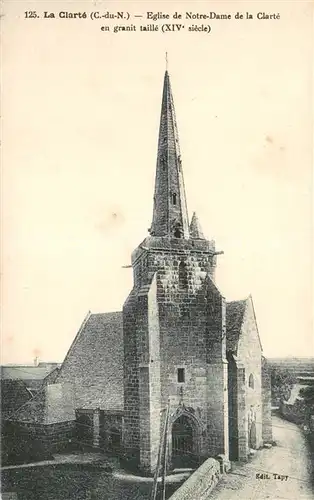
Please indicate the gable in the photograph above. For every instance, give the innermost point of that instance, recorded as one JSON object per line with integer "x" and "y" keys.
{"x": 242, "y": 330}
{"x": 249, "y": 345}
{"x": 94, "y": 363}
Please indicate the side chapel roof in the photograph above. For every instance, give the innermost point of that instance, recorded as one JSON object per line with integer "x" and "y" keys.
{"x": 94, "y": 362}
{"x": 234, "y": 319}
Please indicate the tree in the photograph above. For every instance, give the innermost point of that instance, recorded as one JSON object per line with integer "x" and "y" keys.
{"x": 307, "y": 393}
{"x": 282, "y": 381}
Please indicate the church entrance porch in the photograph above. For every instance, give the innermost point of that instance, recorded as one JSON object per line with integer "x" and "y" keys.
{"x": 184, "y": 446}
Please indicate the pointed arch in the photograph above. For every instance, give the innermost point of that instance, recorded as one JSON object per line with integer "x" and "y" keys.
{"x": 184, "y": 438}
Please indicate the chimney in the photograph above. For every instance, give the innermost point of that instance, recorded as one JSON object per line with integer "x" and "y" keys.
{"x": 36, "y": 361}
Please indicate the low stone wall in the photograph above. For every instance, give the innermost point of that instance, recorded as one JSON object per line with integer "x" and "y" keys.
{"x": 29, "y": 442}
{"x": 56, "y": 437}
{"x": 201, "y": 483}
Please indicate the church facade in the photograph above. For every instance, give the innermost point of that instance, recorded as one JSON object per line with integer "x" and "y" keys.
{"x": 175, "y": 333}
{"x": 177, "y": 348}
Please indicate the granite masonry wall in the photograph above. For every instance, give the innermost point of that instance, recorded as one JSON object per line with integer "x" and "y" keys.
{"x": 200, "y": 483}
{"x": 174, "y": 319}
{"x": 24, "y": 442}
{"x": 267, "y": 433}
{"x": 249, "y": 386}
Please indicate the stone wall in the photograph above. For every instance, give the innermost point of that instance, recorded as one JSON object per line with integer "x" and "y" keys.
{"x": 24, "y": 442}
{"x": 267, "y": 433}
{"x": 84, "y": 428}
{"x": 59, "y": 403}
{"x": 233, "y": 396}
{"x": 131, "y": 437}
{"x": 250, "y": 400}
{"x": 200, "y": 483}
{"x": 101, "y": 429}
{"x": 241, "y": 409}
{"x": 56, "y": 437}
{"x": 111, "y": 432}
{"x": 174, "y": 319}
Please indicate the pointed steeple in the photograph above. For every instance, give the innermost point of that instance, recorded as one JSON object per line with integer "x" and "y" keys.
{"x": 195, "y": 228}
{"x": 170, "y": 215}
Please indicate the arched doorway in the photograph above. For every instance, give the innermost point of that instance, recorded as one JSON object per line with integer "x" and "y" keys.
{"x": 252, "y": 436}
{"x": 183, "y": 453}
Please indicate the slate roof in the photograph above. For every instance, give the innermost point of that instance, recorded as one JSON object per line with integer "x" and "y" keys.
{"x": 33, "y": 410}
{"x": 234, "y": 319}
{"x": 94, "y": 363}
{"x": 25, "y": 372}
{"x": 14, "y": 394}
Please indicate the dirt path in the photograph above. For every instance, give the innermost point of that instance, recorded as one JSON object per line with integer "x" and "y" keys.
{"x": 282, "y": 472}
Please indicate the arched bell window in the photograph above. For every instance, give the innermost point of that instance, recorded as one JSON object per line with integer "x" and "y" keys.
{"x": 251, "y": 381}
{"x": 177, "y": 230}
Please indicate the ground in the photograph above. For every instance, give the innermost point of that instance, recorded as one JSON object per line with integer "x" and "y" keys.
{"x": 79, "y": 477}
{"x": 258, "y": 480}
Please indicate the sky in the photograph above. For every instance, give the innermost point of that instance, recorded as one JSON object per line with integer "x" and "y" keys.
{"x": 80, "y": 117}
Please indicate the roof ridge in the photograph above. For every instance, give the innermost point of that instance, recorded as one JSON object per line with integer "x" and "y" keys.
{"x": 106, "y": 312}
{"x": 239, "y": 300}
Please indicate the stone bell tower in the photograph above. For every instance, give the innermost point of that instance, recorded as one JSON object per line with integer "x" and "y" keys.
{"x": 174, "y": 324}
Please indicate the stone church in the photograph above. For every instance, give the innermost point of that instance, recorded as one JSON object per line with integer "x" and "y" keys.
{"x": 176, "y": 344}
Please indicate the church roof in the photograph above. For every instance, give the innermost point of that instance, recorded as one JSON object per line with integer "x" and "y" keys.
{"x": 14, "y": 394}
{"x": 32, "y": 410}
{"x": 94, "y": 363}
{"x": 234, "y": 315}
{"x": 26, "y": 372}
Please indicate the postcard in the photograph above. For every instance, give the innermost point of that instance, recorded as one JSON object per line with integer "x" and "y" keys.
{"x": 157, "y": 329}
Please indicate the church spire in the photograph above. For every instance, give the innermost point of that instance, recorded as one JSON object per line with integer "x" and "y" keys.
{"x": 170, "y": 215}
{"x": 195, "y": 228}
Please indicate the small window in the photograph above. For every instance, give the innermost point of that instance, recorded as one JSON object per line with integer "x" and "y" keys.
{"x": 181, "y": 375}
{"x": 183, "y": 275}
{"x": 177, "y": 233}
{"x": 174, "y": 198}
{"x": 251, "y": 381}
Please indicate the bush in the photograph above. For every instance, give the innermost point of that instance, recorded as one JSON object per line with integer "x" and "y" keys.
{"x": 282, "y": 382}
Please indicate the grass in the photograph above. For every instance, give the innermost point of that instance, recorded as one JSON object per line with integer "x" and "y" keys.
{"x": 73, "y": 482}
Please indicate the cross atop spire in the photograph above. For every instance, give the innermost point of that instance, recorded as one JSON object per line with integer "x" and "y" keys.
{"x": 170, "y": 215}
{"x": 166, "y": 61}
